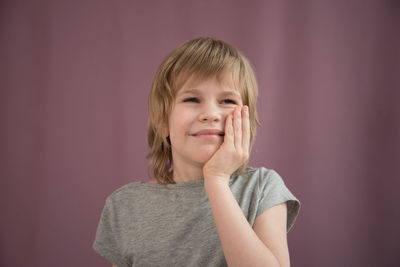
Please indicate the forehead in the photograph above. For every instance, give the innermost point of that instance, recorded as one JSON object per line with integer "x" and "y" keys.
{"x": 193, "y": 82}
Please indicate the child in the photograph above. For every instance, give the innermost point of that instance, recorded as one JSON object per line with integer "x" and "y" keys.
{"x": 205, "y": 207}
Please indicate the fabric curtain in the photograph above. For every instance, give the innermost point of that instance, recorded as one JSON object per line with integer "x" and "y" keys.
{"x": 74, "y": 81}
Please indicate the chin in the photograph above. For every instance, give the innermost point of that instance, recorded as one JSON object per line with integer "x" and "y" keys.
{"x": 205, "y": 154}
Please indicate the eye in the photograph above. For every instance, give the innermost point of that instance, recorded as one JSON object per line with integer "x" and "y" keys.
{"x": 191, "y": 99}
{"x": 229, "y": 101}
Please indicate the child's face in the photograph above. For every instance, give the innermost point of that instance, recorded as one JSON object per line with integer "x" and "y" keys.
{"x": 197, "y": 120}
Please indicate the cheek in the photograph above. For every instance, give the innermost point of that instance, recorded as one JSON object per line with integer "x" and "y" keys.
{"x": 179, "y": 123}
{"x": 226, "y": 113}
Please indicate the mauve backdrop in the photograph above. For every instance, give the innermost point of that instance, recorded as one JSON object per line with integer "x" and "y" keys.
{"x": 74, "y": 82}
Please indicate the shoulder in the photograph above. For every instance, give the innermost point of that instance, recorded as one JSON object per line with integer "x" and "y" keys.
{"x": 260, "y": 172}
{"x": 262, "y": 184}
{"x": 267, "y": 180}
{"x": 125, "y": 193}
{"x": 258, "y": 177}
{"x": 272, "y": 191}
{"x": 129, "y": 201}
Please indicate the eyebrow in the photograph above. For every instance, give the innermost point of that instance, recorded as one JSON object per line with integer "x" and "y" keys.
{"x": 198, "y": 92}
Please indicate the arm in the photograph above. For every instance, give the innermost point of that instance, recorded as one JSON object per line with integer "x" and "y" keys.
{"x": 270, "y": 227}
{"x": 263, "y": 245}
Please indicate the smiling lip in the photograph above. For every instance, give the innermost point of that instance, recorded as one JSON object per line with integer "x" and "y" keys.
{"x": 209, "y": 132}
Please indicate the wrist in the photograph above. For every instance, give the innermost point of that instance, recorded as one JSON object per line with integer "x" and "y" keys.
{"x": 216, "y": 180}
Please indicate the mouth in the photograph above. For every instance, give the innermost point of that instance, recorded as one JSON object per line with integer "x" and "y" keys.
{"x": 209, "y": 132}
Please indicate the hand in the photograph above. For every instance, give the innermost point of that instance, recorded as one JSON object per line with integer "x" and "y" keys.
{"x": 234, "y": 151}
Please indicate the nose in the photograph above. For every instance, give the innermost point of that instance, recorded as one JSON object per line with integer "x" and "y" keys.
{"x": 210, "y": 113}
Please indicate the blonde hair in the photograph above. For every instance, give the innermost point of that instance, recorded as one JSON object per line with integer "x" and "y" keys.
{"x": 202, "y": 58}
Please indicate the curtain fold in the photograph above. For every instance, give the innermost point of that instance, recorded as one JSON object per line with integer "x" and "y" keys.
{"x": 74, "y": 81}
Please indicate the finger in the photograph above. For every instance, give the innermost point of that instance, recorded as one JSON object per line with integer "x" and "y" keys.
{"x": 228, "y": 138}
{"x": 246, "y": 129}
{"x": 237, "y": 127}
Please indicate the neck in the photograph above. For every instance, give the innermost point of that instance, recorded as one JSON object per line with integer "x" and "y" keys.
{"x": 188, "y": 173}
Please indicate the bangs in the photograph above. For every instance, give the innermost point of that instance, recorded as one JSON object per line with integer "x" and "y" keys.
{"x": 206, "y": 59}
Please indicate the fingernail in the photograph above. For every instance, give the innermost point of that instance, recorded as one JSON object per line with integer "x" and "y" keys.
{"x": 246, "y": 108}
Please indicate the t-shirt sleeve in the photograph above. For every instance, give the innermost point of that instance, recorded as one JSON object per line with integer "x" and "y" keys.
{"x": 274, "y": 192}
{"x": 108, "y": 234}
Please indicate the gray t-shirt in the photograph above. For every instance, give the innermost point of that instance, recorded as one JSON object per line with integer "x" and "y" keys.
{"x": 145, "y": 224}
